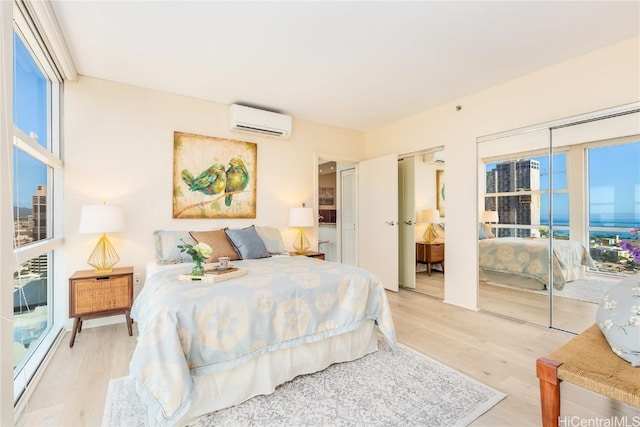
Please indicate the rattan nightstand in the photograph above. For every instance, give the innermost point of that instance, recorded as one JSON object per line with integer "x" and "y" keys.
{"x": 94, "y": 295}
{"x": 310, "y": 254}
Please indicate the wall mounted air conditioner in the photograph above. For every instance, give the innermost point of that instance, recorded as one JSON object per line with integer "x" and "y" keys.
{"x": 434, "y": 157}
{"x": 253, "y": 120}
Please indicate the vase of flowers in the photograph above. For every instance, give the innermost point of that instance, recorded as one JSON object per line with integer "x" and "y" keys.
{"x": 199, "y": 253}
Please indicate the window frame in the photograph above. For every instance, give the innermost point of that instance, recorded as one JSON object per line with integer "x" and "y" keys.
{"x": 537, "y": 194}
{"x": 583, "y": 235}
{"x": 52, "y": 245}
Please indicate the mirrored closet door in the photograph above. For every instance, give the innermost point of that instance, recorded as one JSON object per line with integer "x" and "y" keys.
{"x": 554, "y": 203}
{"x": 513, "y": 231}
{"x": 422, "y": 215}
{"x": 596, "y": 203}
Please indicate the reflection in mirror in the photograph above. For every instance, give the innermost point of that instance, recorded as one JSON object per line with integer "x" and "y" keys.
{"x": 554, "y": 206}
{"x": 596, "y": 206}
{"x": 513, "y": 244}
{"x": 422, "y": 208}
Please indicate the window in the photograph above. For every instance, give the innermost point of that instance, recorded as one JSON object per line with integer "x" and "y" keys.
{"x": 614, "y": 204}
{"x": 518, "y": 189}
{"x": 37, "y": 169}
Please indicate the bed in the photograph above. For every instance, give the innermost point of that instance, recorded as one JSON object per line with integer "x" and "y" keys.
{"x": 203, "y": 347}
{"x": 524, "y": 262}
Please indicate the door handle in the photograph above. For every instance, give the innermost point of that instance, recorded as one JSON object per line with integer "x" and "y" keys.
{"x": 409, "y": 222}
{"x": 390, "y": 222}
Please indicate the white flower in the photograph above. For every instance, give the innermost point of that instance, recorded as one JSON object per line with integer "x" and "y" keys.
{"x": 634, "y": 321}
{"x": 635, "y": 309}
{"x": 203, "y": 249}
{"x": 608, "y": 324}
{"x": 610, "y": 305}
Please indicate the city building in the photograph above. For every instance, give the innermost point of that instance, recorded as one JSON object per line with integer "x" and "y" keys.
{"x": 515, "y": 176}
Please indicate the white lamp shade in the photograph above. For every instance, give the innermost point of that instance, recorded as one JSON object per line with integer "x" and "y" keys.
{"x": 429, "y": 216}
{"x": 490, "y": 216}
{"x": 101, "y": 219}
{"x": 301, "y": 217}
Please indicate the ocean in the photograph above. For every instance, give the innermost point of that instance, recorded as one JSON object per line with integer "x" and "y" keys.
{"x": 625, "y": 222}
{"x": 621, "y": 221}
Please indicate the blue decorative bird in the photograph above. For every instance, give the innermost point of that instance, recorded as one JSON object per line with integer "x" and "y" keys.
{"x": 237, "y": 178}
{"x": 211, "y": 181}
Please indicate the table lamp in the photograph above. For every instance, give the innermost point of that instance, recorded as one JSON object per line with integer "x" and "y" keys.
{"x": 301, "y": 217}
{"x": 102, "y": 219}
{"x": 490, "y": 217}
{"x": 430, "y": 216}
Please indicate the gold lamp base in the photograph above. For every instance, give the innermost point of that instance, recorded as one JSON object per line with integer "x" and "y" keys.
{"x": 430, "y": 234}
{"x": 301, "y": 244}
{"x": 103, "y": 257}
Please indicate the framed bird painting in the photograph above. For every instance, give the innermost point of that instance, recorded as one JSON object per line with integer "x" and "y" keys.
{"x": 213, "y": 177}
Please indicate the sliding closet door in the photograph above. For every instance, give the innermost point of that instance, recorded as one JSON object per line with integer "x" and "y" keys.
{"x": 565, "y": 193}
{"x": 406, "y": 232}
{"x": 513, "y": 248}
{"x": 595, "y": 203}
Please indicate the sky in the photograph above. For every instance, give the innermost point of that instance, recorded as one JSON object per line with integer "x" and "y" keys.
{"x": 29, "y": 114}
{"x": 614, "y": 182}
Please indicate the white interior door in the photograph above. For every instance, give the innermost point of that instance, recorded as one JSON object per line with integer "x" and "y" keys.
{"x": 407, "y": 232}
{"x": 348, "y": 217}
{"x": 378, "y": 218}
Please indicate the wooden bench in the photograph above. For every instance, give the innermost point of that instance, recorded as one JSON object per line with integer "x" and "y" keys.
{"x": 586, "y": 361}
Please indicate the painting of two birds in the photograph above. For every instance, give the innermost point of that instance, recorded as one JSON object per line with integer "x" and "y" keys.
{"x": 213, "y": 177}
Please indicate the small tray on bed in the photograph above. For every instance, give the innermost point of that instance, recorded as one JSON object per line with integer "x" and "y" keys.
{"x": 214, "y": 275}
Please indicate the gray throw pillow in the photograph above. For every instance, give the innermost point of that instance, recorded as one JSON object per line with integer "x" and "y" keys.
{"x": 166, "y": 243}
{"x": 272, "y": 239}
{"x": 619, "y": 318}
{"x": 481, "y": 233}
{"x": 248, "y": 243}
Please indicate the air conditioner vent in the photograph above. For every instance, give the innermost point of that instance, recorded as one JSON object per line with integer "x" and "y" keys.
{"x": 253, "y": 120}
{"x": 244, "y": 128}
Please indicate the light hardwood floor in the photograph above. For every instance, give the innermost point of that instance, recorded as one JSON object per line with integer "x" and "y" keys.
{"x": 532, "y": 307}
{"x": 495, "y": 351}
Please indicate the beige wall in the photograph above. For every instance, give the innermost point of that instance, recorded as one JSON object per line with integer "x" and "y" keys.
{"x": 119, "y": 149}
{"x": 119, "y": 140}
{"x": 598, "y": 80}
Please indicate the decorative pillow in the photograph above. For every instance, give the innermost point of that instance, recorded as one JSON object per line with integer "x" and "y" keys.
{"x": 488, "y": 232}
{"x": 247, "y": 242}
{"x": 619, "y": 318}
{"x": 166, "y": 243}
{"x": 218, "y": 241}
{"x": 482, "y": 234}
{"x": 272, "y": 239}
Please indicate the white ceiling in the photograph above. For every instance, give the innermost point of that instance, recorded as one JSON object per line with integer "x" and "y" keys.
{"x": 356, "y": 65}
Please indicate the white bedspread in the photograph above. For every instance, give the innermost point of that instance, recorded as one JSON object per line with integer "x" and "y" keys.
{"x": 190, "y": 329}
{"x": 530, "y": 258}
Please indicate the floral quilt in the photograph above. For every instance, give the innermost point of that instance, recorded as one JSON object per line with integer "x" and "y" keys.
{"x": 188, "y": 329}
{"x": 530, "y": 258}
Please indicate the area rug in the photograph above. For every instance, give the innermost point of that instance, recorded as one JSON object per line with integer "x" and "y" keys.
{"x": 588, "y": 289}
{"x": 384, "y": 388}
